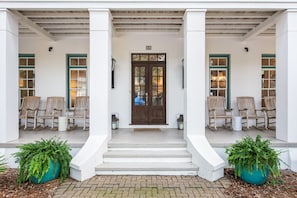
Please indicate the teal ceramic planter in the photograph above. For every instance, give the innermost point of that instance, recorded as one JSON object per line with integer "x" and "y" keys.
{"x": 52, "y": 173}
{"x": 255, "y": 177}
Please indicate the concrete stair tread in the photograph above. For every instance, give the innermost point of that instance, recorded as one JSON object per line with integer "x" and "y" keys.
{"x": 151, "y": 166}
{"x": 147, "y": 154}
{"x": 181, "y": 144}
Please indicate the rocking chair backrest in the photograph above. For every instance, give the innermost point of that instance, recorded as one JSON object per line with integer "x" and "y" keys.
{"x": 218, "y": 103}
{"x": 54, "y": 103}
{"x": 246, "y": 102}
{"x": 29, "y": 102}
{"x": 81, "y": 105}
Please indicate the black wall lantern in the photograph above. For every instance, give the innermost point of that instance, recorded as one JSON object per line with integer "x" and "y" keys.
{"x": 113, "y": 64}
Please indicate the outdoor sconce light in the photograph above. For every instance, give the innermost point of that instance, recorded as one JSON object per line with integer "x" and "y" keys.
{"x": 113, "y": 64}
{"x": 114, "y": 122}
{"x": 180, "y": 122}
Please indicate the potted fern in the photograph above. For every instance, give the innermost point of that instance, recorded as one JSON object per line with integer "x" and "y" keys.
{"x": 44, "y": 160}
{"x": 254, "y": 160}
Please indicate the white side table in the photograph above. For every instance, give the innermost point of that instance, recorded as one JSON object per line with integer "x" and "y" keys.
{"x": 236, "y": 123}
{"x": 63, "y": 121}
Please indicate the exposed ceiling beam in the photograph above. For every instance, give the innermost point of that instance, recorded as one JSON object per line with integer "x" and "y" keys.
{"x": 33, "y": 26}
{"x": 261, "y": 27}
{"x": 58, "y": 14}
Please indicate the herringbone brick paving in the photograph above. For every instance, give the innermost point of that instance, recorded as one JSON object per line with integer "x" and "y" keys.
{"x": 143, "y": 187}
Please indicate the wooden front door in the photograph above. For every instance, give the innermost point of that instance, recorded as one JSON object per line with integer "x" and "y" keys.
{"x": 148, "y": 89}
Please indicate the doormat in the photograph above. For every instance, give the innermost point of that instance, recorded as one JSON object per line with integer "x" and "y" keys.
{"x": 146, "y": 129}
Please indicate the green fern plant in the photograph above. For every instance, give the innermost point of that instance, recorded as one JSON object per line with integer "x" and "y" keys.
{"x": 34, "y": 159}
{"x": 2, "y": 164}
{"x": 249, "y": 154}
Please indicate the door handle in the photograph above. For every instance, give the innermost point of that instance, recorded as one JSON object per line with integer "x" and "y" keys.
{"x": 146, "y": 99}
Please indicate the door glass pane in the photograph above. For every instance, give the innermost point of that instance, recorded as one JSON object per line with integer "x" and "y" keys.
{"x": 157, "y": 86}
{"x": 139, "y": 86}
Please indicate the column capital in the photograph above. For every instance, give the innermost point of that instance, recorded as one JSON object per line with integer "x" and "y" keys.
{"x": 195, "y": 10}
{"x": 100, "y": 19}
{"x": 194, "y": 20}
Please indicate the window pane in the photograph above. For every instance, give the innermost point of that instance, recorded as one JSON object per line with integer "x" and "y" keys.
{"x": 272, "y": 93}
{"x": 74, "y": 74}
{"x": 30, "y": 83}
{"x": 31, "y": 93}
{"x": 23, "y": 93}
{"x": 31, "y": 61}
{"x": 272, "y": 74}
{"x": 222, "y": 93}
{"x": 272, "y": 84}
{"x": 23, "y": 74}
{"x": 73, "y": 83}
{"x": 213, "y": 62}
{"x": 135, "y": 57}
{"x": 265, "y": 62}
{"x": 31, "y": 74}
{"x": 82, "y": 61}
{"x": 272, "y": 62}
{"x": 153, "y": 57}
{"x": 264, "y": 93}
{"x": 22, "y": 61}
{"x": 213, "y": 92}
{"x": 144, "y": 57}
{"x": 222, "y": 62}
{"x": 73, "y": 62}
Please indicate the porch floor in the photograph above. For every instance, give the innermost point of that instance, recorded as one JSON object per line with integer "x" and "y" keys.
{"x": 77, "y": 137}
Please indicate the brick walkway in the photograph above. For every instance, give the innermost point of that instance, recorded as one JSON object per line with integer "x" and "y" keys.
{"x": 143, "y": 187}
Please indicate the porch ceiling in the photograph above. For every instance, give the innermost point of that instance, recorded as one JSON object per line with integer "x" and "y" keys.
{"x": 56, "y": 24}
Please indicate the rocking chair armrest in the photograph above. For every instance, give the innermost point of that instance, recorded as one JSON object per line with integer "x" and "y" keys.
{"x": 229, "y": 110}
{"x": 245, "y": 109}
{"x": 29, "y": 109}
{"x": 57, "y": 110}
{"x": 69, "y": 110}
{"x": 211, "y": 110}
{"x": 270, "y": 109}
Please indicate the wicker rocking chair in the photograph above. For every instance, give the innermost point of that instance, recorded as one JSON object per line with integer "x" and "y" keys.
{"x": 54, "y": 108}
{"x": 28, "y": 110}
{"x": 247, "y": 111}
{"x": 217, "y": 110}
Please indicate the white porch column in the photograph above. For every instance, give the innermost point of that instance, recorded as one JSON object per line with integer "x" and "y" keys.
{"x": 9, "y": 49}
{"x": 211, "y": 166}
{"x": 83, "y": 164}
{"x": 286, "y": 105}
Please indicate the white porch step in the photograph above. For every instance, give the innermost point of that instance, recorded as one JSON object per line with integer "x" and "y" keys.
{"x": 147, "y": 168}
{"x": 148, "y": 146}
{"x": 147, "y": 156}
